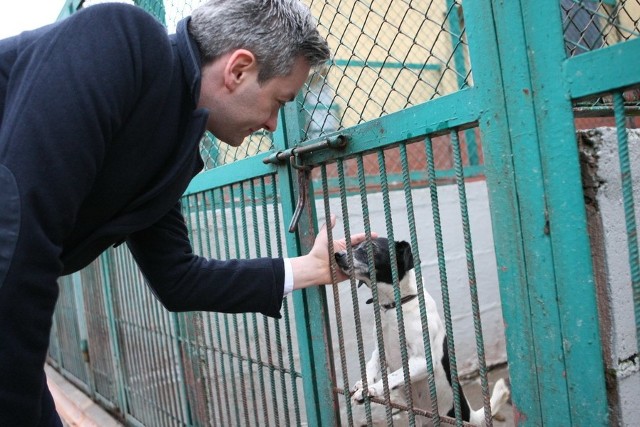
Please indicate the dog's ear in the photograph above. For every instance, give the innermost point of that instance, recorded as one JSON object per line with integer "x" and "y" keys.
{"x": 404, "y": 255}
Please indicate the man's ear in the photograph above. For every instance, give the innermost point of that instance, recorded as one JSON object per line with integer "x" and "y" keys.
{"x": 240, "y": 64}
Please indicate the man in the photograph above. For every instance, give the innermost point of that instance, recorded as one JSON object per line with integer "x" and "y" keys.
{"x": 101, "y": 116}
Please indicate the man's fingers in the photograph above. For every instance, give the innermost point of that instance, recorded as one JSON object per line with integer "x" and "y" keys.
{"x": 361, "y": 237}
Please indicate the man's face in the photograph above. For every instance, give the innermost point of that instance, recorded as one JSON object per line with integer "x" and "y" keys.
{"x": 237, "y": 104}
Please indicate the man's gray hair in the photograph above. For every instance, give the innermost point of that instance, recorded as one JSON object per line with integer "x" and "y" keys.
{"x": 275, "y": 31}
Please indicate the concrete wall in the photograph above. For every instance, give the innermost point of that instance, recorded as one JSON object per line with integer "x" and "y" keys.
{"x": 603, "y": 190}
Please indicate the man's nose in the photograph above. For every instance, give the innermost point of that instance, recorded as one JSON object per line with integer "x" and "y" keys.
{"x": 271, "y": 124}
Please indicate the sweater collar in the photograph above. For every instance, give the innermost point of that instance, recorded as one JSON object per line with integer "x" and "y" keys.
{"x": 190, "y": 59}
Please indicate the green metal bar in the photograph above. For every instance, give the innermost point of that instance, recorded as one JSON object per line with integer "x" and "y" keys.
{"x": 309, "y": 304}
{"x": 571, "y": 255}
{"x": 236, "y": 333}
{"x": 583, "y": 73}
{"x": 629, "y": 206}
{"x": 83, "y": 334}
{"x": 336, "y": 299}
{"x": 240, "y": 170}
{"x": 540, "y": 274}
{"x": 227, "y": 317}
{"x": 106, "y": 263}
{"x": 460, "y": 109}
{"x": 471, "y": 272}
{"x": 444, "y": 284}
{"x": 220, "y": 249}
{"x": 424, "y": 315}
{"x": 220, "y": 387}
{"x": 258, "y": 254}
{"x": 265, "y": 214}
{"x": 354, "y": 296}
{"x": 374, "y": 294}
{"x": 493, "y": 85}
{"x": 460, "y": 66}
{"x": 397, "y": 296}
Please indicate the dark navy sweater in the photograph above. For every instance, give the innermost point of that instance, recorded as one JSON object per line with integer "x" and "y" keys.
{"x": 99, "y": 134}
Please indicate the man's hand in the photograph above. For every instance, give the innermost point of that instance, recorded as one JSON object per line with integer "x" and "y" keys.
{"x": 315, "y": 267}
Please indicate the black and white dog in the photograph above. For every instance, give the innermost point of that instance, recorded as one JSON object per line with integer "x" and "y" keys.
{"x": 413, "y": 332}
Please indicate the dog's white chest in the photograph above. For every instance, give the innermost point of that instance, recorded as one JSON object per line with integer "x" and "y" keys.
{"x": 392, "y": 336}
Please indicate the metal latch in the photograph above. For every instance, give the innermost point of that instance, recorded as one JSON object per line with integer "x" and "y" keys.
{"x": 303, "y": 171}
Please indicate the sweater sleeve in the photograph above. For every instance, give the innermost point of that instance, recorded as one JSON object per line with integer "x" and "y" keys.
{"x": 183, "y": 281}
{"x": 66, "y": 89}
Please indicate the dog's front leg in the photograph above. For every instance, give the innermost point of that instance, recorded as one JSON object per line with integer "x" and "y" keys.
{"x": 373, "y": 371}
{"x": 396, "y": 380}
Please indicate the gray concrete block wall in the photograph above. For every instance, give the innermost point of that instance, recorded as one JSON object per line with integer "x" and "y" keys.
{"x": 603, "y": 191}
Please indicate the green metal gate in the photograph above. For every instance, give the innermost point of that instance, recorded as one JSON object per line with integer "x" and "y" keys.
{"x": 426, "y": 103}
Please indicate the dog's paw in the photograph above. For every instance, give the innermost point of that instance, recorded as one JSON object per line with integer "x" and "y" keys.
{"x": 358, "y": 392}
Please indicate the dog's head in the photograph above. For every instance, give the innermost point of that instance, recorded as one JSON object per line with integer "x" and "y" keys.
{"x": 381, "y": 260}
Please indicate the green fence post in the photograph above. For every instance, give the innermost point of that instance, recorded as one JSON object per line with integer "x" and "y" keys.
{"x": 310, "y": 305}
{"x": 505, "y": 216}
{"x": 542, "y": 245}
{"x": 567, "y": 220}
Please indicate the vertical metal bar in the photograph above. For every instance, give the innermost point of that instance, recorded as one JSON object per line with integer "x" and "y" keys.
{"x": 629, "y": 206}
{"x": 265, "y": 216}
{"x": 120, "y": 300}
{"x": 227, "y": 329}
{"x": 76, "y": 279}
{"x": 374, "y": 292}
{"x": 444, "y": 285}
{"x": 396, "y": 287}
{"x": 471, "y": 271}
{"x": 219, "y": 332}
{"x": 236, "y": 332}
{"x": 106, "y": 263}
{"x": 287, "y": 316}
{"x": 217, "y": 376}
{"x": 424, "y": 315}
{"x": 336, "y": 297}
{"x": 460, "y": 66}
{"x": 256, "y": 346}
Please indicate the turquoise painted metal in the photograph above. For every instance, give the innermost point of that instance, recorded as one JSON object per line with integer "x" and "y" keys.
{"x": 70, "y": 7}
{"x": 567, "y": 226}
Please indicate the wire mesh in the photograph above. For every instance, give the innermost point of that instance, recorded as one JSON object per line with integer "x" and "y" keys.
{"x": 591, "y": 25}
